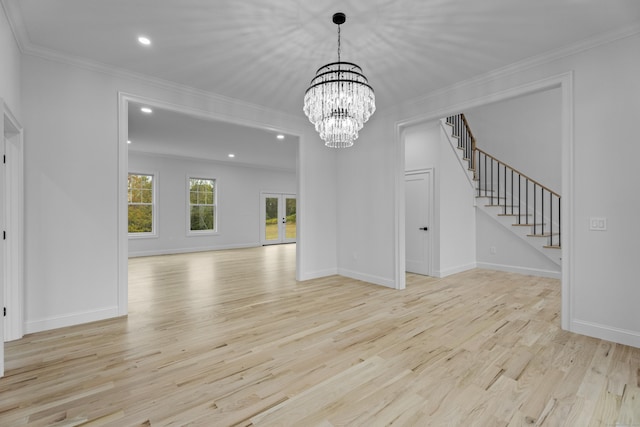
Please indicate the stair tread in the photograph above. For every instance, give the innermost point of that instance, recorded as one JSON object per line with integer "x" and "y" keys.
{"x": 527, "y": 225}
{"x": 514, "y": 214}
{"x": 552, "y": 246}
{"x": 543, "y": 235}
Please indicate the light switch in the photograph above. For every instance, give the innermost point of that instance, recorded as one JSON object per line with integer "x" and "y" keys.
{"x": 598, "y": 224}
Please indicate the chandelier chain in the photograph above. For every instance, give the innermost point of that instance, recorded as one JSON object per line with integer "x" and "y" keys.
{"x": 338, "y": 43}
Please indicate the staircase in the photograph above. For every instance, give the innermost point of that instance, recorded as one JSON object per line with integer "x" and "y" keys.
{"x": 521, "y": 204}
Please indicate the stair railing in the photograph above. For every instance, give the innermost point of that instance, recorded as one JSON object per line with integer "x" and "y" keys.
{"x": 466, "y": 141}
{"x": 518, "y": 195}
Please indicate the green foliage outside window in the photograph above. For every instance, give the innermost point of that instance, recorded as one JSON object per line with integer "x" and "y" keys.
{"x": 140, "y": 198}
{"x": 202, "y": 207}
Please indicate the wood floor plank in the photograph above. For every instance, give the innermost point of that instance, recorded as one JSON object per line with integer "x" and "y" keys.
{"x": 229, "y": 338}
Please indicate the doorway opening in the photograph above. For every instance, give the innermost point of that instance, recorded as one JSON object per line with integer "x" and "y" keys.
{"x": 232, "y": 210}
{"x": 565, "y": 83}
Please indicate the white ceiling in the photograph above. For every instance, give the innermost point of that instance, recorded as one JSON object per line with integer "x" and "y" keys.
{"x": 171, "y": 133}
{"x": 265, "y": 52}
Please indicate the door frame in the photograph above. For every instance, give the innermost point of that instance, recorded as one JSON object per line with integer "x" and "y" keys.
{"x": 215, "y": 112}
{"x": 282, "y": 197}
{"x": 431, "y": 172}
{"x": 564, "y": 81}
{"x": 12, "y": 294}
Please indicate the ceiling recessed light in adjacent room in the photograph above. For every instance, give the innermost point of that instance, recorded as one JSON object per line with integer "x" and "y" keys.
{"x": 145, "y": 41}
{"x": 280, "y": 136}
{"x": 231, "y": 155}
{"x": 128, "y": 141}
{"x": 146, "y": 110}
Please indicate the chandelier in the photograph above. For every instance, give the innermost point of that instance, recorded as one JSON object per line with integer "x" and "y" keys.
{"x": 339, "y": 99}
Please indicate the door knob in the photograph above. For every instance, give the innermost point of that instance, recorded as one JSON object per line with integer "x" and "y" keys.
{"x": 424, "y": 228}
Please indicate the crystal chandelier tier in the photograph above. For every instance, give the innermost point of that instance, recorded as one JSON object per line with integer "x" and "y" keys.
{"x": 339, "y": 99}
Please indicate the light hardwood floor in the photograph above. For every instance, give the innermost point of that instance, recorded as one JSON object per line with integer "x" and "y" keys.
{"x": 230, "y": 338}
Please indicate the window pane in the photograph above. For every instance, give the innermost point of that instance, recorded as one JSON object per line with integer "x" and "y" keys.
{"x": 290, "y": 229}
{"x": 202, "y": 218}
{"x": 271, "y": 218}
{"x": 146, "y": 196}
{"x": 140, "y": 190}
{"x": 140, "y": 219}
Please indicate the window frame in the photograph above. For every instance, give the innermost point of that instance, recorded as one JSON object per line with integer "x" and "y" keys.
{"x": 191, "y": 232}
{"x": 154, "y": 207}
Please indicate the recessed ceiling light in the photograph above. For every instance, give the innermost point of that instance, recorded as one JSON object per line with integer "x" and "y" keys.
{"x": 231, "y": 155}
{"x": 144, "y": 40}
{"x": 280, "y": 136}
{"x": 146, "y": 110}
{"x": 128, "y": 141}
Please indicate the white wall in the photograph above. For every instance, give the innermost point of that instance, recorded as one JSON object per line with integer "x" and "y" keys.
{"x": 602, "y": 286}
{"x": 511, "y": 252}
{"x": 524, "y": 132}
{"x": 10, "y": 69}
{"x": 457, "y": 214}
{"x": 454, "y": 234}
{"x": 71, "y": 186}
{"x": 238, "y": 202}
{"x": 364, "y": 205}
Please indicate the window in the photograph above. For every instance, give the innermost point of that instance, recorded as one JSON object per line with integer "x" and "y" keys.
{"x": 140, "y": 194}
{"x": 202, "y": 205}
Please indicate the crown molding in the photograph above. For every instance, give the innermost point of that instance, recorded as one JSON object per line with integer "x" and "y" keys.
{"x": 534, "y": 61}
{"x": 16, "y": 23}
{"x": 18, "y": 28}
{"x": 230, "y": 164}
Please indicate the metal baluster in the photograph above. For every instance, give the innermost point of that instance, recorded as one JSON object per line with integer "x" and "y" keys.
{"x": 535, "y": 212}
{"x": 542, "y": 201}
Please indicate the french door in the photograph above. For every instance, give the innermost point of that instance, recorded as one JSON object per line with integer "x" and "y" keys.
{"x": 277, "y": 218}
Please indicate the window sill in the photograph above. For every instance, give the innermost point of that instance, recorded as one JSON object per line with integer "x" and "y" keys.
{"x": 136, "y": 236}
{"x": 202, "y": 233}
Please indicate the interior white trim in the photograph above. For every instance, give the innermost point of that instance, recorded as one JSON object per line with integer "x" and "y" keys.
{"x": 136, "y": 254}
{"x": 71, "y": 319}
{"x": 565, "y": 82}
{"x": 124, "y": 99}
{"x": 454, "y": 270}
{"x": 213, "y": 161}
{"x": 520, "y": 270}
{"x": 376, "y": 280}
{"x": 604, "y": 332}
{"x": 527, "y": 63}
{"x": 14, "y": 217}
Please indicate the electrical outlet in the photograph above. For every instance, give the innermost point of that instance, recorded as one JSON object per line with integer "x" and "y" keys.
{"x": 492, "y": 250}
{"x": 598, "y": 224}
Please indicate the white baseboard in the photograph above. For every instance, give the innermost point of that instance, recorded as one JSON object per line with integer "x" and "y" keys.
{"x": 317, "y": 274}
{"x": 135, "y": 254}
{"x": 521, "y": 270}
{"x": 604, "y": 332}
{"x": 376, "y": 280}
{"x": 70, "y": 319}
{"x": 454, "y": 270}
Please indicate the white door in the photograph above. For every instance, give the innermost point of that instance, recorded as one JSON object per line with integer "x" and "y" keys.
{"x": 3, "y": 248}
{"x": 278, "y": 218}
{"x": 418, "y": 222}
